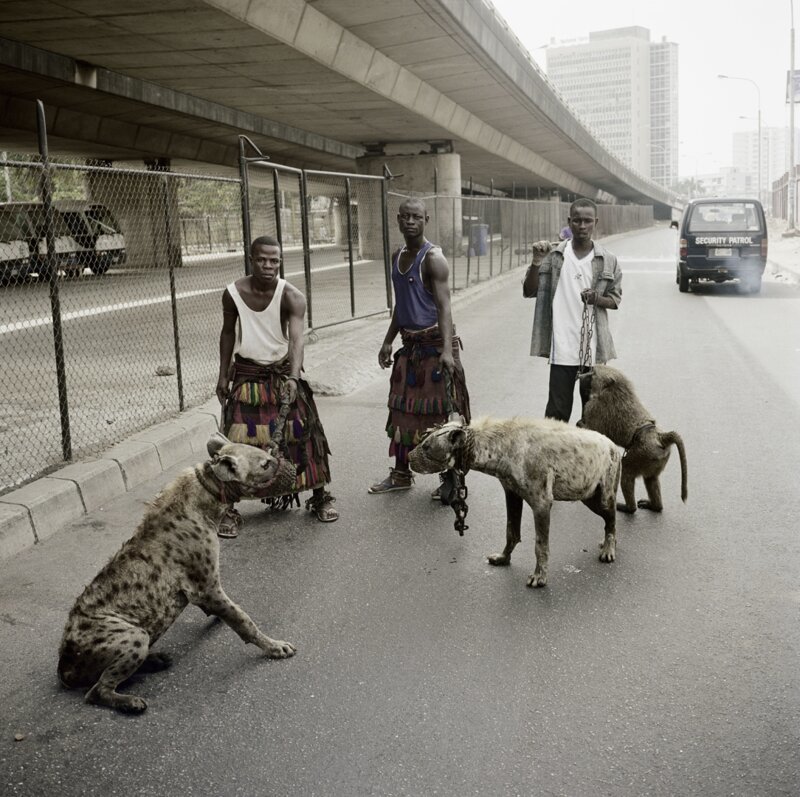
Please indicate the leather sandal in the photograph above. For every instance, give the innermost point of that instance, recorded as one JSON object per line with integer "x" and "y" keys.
{"x": 322, "y": 508}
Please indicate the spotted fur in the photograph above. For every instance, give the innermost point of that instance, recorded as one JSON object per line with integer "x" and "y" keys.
{"x": 536, "y": 461}
{"x": 172, "y": 560}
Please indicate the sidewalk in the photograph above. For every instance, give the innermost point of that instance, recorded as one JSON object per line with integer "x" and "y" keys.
{"x": 338, "y": 360}
{"x": 783, "y": 255}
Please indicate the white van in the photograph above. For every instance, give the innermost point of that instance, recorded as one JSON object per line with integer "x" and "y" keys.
{"x": 99, "y": 235}
{"x": 30, "y": 216}
{"x": 15, "y": 256}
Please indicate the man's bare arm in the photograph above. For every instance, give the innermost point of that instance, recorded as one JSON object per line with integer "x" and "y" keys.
{"x": 438, "y": 274}
{"x": 227, "y": 341}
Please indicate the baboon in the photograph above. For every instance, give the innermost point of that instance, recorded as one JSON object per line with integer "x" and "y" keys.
{"x": 613, "y": 409}
{"x": 536, "y": 460}
{"x": 171, "y": 560}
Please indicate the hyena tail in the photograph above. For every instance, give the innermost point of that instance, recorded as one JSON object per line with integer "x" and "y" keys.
{"x": 667, "y": 439}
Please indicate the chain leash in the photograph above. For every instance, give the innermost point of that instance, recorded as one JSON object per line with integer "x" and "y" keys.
{"x": 453, "y": 489}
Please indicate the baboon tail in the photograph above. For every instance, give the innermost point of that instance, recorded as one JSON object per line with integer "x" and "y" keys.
{"x": 667, "y": 439}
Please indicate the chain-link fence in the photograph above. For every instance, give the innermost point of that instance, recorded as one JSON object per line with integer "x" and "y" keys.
{"x": 111, "y": 281}
{"x": 484, "y": 236}
{"x": 110, "y": 325}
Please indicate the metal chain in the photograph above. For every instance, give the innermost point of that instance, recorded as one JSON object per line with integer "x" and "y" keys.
{"x": 587, "y": 330}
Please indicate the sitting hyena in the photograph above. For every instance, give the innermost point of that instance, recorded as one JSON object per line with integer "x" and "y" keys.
{"x": 538, "y": 461}
{"x": 171, "y": 560}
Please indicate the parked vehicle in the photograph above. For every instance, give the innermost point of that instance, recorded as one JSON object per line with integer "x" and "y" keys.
{"x": 15, "y": 256}
{"x": 31, "y": 218}
{"x": 102, "y": 243}
{"x": 722, "y": 239}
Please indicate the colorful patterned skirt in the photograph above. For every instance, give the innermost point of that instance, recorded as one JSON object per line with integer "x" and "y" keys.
{"x": 251, "y": 413}
{"x": 418, "y": 394}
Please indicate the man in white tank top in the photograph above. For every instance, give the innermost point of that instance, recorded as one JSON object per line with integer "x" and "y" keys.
{"x": 260, "y": 365}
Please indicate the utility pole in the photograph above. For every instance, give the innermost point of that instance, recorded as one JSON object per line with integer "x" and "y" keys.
{"x": 758, "y": 148}
{"x": 790, "y": 188}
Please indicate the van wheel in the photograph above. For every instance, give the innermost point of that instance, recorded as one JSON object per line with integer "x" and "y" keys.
{"x": 683, "y": 281}
{"x": 99, "y": 267}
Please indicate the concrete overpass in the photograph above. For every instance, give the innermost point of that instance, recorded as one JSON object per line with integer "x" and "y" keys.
{"x": 335, "y": 84}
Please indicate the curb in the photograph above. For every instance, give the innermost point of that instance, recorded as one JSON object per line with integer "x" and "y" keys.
{"x": 46, "y": 506}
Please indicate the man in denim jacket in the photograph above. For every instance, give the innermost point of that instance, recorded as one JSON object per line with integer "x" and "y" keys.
{"x": 576, "y": 273}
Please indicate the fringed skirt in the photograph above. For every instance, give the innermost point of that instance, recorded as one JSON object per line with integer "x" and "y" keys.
{"x": 251, "y": 414}
{"x": 418, "y": 397}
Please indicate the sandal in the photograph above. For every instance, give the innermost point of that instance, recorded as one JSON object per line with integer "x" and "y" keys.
{"x": 322, "y": 507}
{"x": 396, "y": 480}
{"x": 230, "y": 524}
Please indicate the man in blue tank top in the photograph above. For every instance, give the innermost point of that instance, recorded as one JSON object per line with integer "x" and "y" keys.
{"x": 427, "y": 382}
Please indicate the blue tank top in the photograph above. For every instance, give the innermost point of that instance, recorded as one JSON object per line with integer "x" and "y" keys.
{"x": 414, "y": 305}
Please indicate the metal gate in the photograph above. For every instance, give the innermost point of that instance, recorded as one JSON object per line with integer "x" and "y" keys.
{"x": 333, "y": 232}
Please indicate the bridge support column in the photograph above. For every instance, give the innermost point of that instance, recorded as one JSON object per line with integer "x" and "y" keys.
{"x": 434, "y": 177}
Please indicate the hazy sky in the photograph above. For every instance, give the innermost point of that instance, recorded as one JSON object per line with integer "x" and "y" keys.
{"x": 746, "y": 39}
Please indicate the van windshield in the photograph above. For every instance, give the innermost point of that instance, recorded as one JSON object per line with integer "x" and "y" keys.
{"x": 104, "y": 222}
{"x": 12, "y": 226}
{"x": 60, "y": 229}
{"x": 725, "y": 217}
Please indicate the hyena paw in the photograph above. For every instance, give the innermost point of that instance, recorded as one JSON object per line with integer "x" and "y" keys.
{"x": 537, "y": 580}
{"x": 608, "y": 551}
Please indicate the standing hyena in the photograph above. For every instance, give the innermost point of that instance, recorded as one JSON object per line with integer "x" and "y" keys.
{"x": 538, "y": 461}
{"x": 171, "y": 560}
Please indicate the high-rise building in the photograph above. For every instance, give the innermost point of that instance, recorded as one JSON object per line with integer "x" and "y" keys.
{"x": 774, "y": 156}
{"x": 625, "y": 89}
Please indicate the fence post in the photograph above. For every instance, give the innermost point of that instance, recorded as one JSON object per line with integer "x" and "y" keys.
{"x": 208, "y": 230}
{"x": 173, "y": 296}
{"x": 469, "y": 233}
{"x": 276, "y": 193}
{"x": 454, "y": 243}
{"x": 245, "y": 206}
{"x": 387, "y": 266}
{"x": 436, "y": 200}
{"x": 52, "y": 274}
{"x": 350, "y": 246}
{"x": 304, "y": 210}
{"x": 490, "y": 217}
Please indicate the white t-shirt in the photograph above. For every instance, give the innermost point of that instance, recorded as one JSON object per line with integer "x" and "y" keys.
{"x": 576, "y": 276}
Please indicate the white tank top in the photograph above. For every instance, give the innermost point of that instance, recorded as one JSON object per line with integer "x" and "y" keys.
{"x": 576, "y": 275}
{"x": 259, "y": 334}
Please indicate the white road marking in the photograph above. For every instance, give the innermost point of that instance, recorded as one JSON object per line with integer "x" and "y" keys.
{"x": 32, "y": 323}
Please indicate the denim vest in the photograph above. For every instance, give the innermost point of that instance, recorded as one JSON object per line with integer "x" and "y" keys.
{"x": 604, "y": 267}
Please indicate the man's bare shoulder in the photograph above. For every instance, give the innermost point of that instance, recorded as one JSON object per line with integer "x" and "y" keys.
{"x": 293, "y": 298}
{"x": 436, "y": 262}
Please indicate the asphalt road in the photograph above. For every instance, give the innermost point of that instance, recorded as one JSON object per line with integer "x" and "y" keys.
{"x": 423, "y": 671}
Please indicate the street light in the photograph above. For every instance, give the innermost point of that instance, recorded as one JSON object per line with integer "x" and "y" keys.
{"x": 758, "y": 92}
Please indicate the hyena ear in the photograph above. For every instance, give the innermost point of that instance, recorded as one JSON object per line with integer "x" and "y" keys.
{"x": 226, "y": 467}
{"x": 216, "y": 442}
{"x": 456, "y": 437}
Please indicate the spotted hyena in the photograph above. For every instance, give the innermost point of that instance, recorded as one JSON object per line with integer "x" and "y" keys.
{"x": 538, "y": 461}
{"x": 172, "y": 560}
